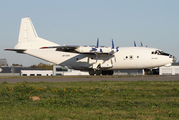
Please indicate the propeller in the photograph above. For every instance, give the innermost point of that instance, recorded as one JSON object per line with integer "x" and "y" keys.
{"x": 134, "y": 44}
{"x": 113, "y": 50}
{"x": 97, "y": 49}
{"x": 141, "y": 45}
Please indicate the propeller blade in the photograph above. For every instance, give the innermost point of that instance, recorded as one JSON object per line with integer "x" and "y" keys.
{"x": 110, "y": 53}
{"x": 101, "y": 50}
{"x": 97, "y": 43}
{"x": 115, "y": 58}
{"x": 117, "y": 49}
{"x": 134, "y": 44}
{"x": 113, "y": 49}
{"x": 96, "y": 57}
{"x": 97, "y": 49}
{"x": 94, "y": 49}
{"x": 112, "y": 44}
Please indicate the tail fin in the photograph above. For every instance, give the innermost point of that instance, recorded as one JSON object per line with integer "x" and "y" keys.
{"x": 27, "y": 31}
{"x": 28, "y": 38}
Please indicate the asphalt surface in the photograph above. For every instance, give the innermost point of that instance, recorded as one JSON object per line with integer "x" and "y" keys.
{"x": 135, "y": 78}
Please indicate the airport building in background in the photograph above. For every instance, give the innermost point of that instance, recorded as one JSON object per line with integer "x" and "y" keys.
{"x": 172, "y": 70}
{"x": 13, "y": 70}
{"x": 3, "y": 62}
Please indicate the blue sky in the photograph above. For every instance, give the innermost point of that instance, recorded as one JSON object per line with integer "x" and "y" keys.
{"x": 81, "y": 22}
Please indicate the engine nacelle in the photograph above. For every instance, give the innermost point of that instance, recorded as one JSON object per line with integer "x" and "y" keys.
{"x": 84, "y": 49}
{"x": 88, "y": 49}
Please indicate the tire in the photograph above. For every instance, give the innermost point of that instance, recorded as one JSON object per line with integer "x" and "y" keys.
{"x": 98, "y": 72}
{"x": 104, "y": 72}
{"x": 110, "y": 72}
{"x": 91, "y": 72}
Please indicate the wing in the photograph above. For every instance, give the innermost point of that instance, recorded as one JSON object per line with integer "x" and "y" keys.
{"x": 76, "y": 49}
{"x": 64, "y": 48}
{"x": 87, "y": 49}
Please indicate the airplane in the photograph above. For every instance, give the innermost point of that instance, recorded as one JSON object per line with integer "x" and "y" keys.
{"x": 95, "y": 59}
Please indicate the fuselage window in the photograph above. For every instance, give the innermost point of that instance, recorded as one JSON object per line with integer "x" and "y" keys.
{"x": 137, "y": 56}
{"x": 126, "y": 57}
{"x": 131, "y": 57}
{"x": 153, "y": 52}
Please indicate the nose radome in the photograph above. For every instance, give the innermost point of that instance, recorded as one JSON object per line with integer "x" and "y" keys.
{"x": 174, "y": 59}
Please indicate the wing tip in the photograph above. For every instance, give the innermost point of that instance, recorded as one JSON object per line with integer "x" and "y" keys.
{"x": 43, "y": 47}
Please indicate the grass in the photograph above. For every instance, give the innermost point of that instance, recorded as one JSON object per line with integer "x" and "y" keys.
{"x": 90, "y": 100}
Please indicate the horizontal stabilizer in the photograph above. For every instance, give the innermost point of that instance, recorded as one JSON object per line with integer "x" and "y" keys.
{"x": 17, "y": 50}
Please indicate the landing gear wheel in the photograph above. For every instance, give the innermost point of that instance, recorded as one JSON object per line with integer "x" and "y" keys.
{"x": 91, "y": 72}
{"x": 98, "y": 72}
{"x": 110, "y": 72}
{"x": 104, "y": 72}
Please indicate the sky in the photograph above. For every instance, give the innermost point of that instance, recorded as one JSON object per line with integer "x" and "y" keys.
{"x": 155, "y": 23}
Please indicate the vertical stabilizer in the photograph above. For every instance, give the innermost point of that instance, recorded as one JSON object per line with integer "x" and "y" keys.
{"x": 28, "y": 38}
{"x": 27, "y": 31}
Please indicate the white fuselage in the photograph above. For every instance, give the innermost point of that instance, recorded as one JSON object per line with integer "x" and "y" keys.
{"x": 126, "y": 58}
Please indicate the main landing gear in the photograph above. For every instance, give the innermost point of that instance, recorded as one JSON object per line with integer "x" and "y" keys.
{"x": 99, "y": 72}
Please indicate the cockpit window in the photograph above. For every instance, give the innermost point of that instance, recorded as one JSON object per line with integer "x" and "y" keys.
{"x": 158, "y": 52}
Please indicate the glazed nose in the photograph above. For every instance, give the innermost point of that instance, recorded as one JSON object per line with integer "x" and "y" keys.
{"x": 173, "y": 58}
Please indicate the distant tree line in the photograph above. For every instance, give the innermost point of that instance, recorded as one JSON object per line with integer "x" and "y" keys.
{"x": 43, "y": 66}
{"x": 16, "y": 64}
{"x": 2, "y": 65}
{"x": 39, "y": 66}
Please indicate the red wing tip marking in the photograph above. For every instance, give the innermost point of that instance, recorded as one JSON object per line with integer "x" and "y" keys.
{"x": 43, "y": 47}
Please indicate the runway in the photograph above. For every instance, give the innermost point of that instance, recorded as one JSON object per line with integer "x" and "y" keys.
{"x": 135, "y": 78}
